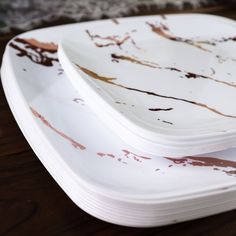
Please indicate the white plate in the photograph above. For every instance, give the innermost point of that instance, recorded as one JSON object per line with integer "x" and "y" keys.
{"x": 101, "y": 173}
{"x": 158, "y": 82}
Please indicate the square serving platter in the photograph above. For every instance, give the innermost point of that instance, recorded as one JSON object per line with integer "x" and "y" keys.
{"x": 99, "y": 171}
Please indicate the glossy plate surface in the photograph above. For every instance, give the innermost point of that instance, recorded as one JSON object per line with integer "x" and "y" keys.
{"x": 164, "y": 84}
{"x": 101, "y": 173}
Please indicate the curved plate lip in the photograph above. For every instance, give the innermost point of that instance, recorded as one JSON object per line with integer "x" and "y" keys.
{"x": 171, "y": 140}
{"x": 9, "y": 75}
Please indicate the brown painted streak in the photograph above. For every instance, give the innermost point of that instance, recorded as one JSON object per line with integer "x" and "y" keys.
{"x": 99, "y": 45}
{"x": 215, "y": 41}
{"x": 134, "y": 60}
{"x": 73, "y": 142}
{"x": 36, "y": 54}
{"x": 188, "y": 74}
{"x": 49, "y": 47}
{"x": 226, "y": 39}
{"x": 96, "y": 76}
{"x": 127, "y": 153}
{"x": 160, "y": 109}
{"x": 117, "y": 41}
{"x": 206, "y": 42}
{"x": 110, "y": 81}
{"x": 101, "y": 154}
{"x": 22, "y": 52}
{"x": 112, "y": 156}
{"x": 162, "y": 31}
{"x": 172, "y": 69}
{"x": 114, "y": 39}
{"x": 38, "y": 58}
{"x": 203, "y": 161}
{"x": 182, "y": 100}
{"x": 207, "y": 162}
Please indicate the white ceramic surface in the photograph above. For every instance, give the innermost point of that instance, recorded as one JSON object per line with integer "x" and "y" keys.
{"x": 101, "y": 173}
{"x": 158, "y": 81}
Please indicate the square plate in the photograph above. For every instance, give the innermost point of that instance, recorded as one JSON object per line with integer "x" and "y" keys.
{"x": 158, "y": 81}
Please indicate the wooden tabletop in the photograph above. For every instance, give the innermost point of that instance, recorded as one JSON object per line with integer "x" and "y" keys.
{"x": 31, "y": 202}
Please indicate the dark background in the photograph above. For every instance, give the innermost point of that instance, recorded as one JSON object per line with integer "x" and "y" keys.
{"x": 31, "y": 202}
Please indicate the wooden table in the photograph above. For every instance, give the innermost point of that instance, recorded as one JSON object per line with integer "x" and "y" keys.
{"x": 31, "y": 202}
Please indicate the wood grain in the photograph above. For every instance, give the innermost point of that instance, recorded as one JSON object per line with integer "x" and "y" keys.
{"x": 31, "y": 203}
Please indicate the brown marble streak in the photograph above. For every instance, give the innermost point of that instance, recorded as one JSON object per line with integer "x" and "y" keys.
{"x": 73, "y": 142}
{"x": 160, "y": 109}
{"x": 34, "y": 43}
{"x": 134, "y": 60}
{"x": 110, "y": 80}
{"x": 113, "y": 40}
{"x": 162, "y": 31}
{"x": 222, "y": 40}
{"x": 187, "y": 74}
{"x": 37, "y": 56}
{"x": 203, "y": 161}
{"x": 207, "y": 162}
{"x": 135, "y": 156}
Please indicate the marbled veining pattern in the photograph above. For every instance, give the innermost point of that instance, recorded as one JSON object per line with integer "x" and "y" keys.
{"x": 43, "y": 54}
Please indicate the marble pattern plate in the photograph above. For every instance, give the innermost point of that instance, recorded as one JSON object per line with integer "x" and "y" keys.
{"x": 165, "y": 84}
{"x": 101, "y": 173}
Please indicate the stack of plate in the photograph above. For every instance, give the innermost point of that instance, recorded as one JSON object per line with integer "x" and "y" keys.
{"x": 148, "y": 93}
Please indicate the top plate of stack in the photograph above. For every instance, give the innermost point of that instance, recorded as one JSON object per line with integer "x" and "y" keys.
{"x": 165, "y": 84}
